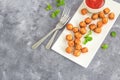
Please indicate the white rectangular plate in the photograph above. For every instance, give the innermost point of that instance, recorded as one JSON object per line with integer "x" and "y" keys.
{"x": 85, "y": 59}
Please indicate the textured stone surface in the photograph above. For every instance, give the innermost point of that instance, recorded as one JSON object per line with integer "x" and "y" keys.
{"x": 22, "y": 22}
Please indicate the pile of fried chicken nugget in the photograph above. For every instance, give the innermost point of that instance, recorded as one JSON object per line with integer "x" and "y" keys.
{"x": 74, "y": 42}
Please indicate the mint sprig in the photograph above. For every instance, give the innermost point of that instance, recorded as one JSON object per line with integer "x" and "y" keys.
{"x": 55, "y": 13}
{"x": 60, "y": 3}
{"x": 88, "y": 37}
{"x": 49, "y": 7}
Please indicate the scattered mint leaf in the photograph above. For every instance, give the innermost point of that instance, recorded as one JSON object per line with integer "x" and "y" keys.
{"x": 113, "y": 34}
{"x": 104, "y": 46}
{"x": 49, "y": 7}
{"x": 60, "y": 3}
{"x": 55, "y": 13}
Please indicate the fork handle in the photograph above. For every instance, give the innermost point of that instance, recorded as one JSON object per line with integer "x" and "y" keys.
{"x": 49, "y": 44}
{"x": 38, "y": 43}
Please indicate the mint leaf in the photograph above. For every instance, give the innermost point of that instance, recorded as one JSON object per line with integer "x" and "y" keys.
{"x": 89, "y": 33}
{"x": 104, "y": 46}
{"x": 49, "y": 7}
{"x": 55, "y": 13}
{"x": 85, "y": 42}
{"x": 60, "y": 3}
{"x": 89, "y": 38}
{"x": 113, "y": 34}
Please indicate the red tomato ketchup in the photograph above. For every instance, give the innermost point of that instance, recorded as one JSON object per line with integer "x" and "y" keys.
{"x": 95, "y": 4}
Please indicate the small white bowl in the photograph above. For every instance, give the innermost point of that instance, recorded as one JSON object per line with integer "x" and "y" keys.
{"x": 94, "y": 10}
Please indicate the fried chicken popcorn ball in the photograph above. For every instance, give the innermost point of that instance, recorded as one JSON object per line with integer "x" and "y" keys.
{"x": 111, "y": 16}
{"x": 106, "y": 10}
{"x": 84, "y": 11}
{"x": 76, "y": 53}
{"x": 101, "y": 14}
{"x": 78, "y": 35}
{"x": 78, "y": 47}
{"x": 97, "y": 30}
{"x": 88, "y": 20}
{"x": 69, "y": 26}
{"x": 71, "y": 43}
{"x": 82, "y": 24}
{"x": 83, "y": 31}
{"x": 75, "y": 29}
{"x": 69, "y": 37}
{"x": 94, "y": 16}
{"x": 77, "y": 41}
{"x": 105, "y": 20}
{"x": 92, "y": 26}
{"x": 99, "y": 24}
{"x": 69, "y": 50}
{"x": 84, "y": 50}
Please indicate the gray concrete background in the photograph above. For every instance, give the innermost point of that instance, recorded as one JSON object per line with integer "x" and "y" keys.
{"x": 22, "y": 22}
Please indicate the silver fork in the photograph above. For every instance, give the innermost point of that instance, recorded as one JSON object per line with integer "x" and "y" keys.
{"x": 65, "y": 14}
{"x": 60, "y": 25}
